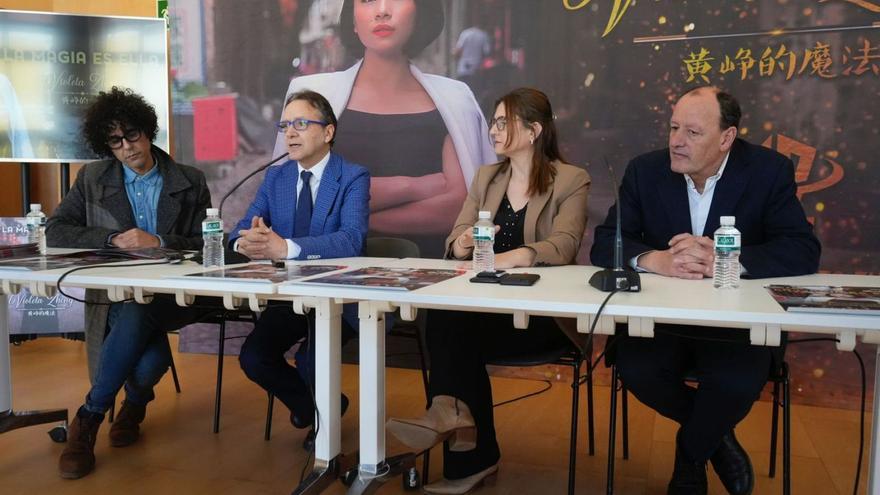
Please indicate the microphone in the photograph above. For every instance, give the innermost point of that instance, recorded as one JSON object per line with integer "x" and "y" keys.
{"x": 242, "y": 181}
{"x": 616, "y": 279}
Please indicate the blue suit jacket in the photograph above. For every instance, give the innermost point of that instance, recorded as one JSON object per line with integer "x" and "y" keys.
{"x": 757, "y": 187}
{"x": 340, "y": 217}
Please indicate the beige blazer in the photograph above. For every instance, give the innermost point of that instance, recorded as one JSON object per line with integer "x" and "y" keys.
{"x": 555, "y": 221}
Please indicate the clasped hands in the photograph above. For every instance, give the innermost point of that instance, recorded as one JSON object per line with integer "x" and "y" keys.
{"x": 260, "y": 242}
{"x": 688, "y": 256}
{"x": 135, "y": 238}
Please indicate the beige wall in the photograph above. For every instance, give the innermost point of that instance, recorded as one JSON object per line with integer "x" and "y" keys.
{"x": 45, "y": 178}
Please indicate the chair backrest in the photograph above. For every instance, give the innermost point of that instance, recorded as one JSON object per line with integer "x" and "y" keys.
{"x": 391, "y": 247}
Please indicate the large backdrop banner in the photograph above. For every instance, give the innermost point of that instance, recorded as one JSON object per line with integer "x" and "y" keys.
{"x": 807, "y": 74}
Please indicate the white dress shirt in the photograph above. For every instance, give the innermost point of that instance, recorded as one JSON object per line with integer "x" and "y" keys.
{"x": 317, "y": 170}
{"x": 698, "y": 204}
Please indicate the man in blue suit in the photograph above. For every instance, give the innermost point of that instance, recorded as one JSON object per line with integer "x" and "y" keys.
{"x": 316, "y": 205}
{"x": 671, "y": 203}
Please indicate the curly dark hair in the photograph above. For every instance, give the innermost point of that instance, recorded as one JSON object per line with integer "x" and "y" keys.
{"x": 429, "y": 24}
{"x": 121, "y": 107}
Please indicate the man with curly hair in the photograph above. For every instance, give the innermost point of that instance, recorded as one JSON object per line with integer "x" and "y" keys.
{"x": 137, "y": 197}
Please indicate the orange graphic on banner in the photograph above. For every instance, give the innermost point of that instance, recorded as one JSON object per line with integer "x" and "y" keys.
{"x": 865, "y": 57}
{"x": 865, "y": 4}
{"x": 804, "y": 156}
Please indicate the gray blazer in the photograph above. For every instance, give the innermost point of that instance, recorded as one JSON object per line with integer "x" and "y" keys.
{"x": 97, "y": 206}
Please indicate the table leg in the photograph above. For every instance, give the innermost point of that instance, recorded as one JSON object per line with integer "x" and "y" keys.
{"x": 874, "y": 463}
{"x": 9, "y": 419}
{"x": 372, "y": 385}
{"x": 328, "y": 379}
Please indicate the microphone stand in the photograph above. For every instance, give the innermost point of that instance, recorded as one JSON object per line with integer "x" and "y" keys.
{"x": 242, "y": 181}
{"x": 616, "y": 278}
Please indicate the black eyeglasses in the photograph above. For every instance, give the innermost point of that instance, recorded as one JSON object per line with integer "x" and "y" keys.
{"x": 130, "y": 135}
{"x": 297, "y": 124}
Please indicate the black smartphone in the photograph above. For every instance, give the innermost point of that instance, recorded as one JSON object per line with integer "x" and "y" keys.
{"x": 520, "y": 279}
{"x": 489, "y": 277}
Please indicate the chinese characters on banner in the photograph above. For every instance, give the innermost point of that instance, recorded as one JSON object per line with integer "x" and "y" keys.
{"x": 864, "y": 58}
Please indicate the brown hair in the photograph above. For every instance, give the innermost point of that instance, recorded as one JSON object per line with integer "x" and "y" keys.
{"x": 532, "y": 105}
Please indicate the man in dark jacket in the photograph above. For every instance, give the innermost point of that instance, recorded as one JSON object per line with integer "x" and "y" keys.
{"x": 136, "y": 198}
{"x": 671, "y": 203}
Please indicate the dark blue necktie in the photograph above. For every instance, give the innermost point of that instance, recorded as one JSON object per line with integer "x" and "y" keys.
{"x": 303, "y": 207}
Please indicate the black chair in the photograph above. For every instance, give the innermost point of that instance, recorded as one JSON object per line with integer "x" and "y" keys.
{"x": 780, "y": 379}
{"x": 221, "y": 318}
{"x": 570, "y": 355}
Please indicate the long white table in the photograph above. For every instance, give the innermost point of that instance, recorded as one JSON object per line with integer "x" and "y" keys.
{"x": 563, "y": 292}
{"x": 137, "y": 282}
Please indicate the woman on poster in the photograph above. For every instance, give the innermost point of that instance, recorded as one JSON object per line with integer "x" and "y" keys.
{"x": 422, "y": 136}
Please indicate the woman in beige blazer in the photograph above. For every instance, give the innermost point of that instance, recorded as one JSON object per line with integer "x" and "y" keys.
{"x": 539, "y": 206}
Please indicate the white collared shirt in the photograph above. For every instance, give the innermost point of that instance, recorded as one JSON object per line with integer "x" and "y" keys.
{"x": 699, "y": 205}
{"x": 317, "y": 170}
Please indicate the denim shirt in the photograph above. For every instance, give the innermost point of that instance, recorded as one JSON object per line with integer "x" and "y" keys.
{"x": 143, "y": 194}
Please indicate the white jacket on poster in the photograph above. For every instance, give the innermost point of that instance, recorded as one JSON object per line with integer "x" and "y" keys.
{"x": 453, "y": 99}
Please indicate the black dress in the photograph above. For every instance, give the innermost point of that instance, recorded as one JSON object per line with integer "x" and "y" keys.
{"x": 392, "y": 145}
{"x": 460, "y": 344}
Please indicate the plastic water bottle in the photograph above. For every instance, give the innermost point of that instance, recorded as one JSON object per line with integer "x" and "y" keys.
{"x": 484, "y": 242}
{"x": 727, "y": 248}
{"x": 212, "y": 234}
{"x": 36, "y": 225}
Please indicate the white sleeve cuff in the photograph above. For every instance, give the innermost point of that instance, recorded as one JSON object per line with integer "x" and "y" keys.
{"x": 293, "y": 249}
{"x": 634, "y": 263}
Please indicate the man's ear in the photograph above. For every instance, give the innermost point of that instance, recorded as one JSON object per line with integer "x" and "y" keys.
{"x": 727, "y": 138}
{"x": 329, "y": 132}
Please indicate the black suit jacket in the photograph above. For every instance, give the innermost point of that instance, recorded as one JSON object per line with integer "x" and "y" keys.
{"x": 757, "y": 187}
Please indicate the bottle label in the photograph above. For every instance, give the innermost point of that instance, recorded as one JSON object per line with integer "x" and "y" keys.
{"x": 484, "y": 233}
{"x": 727, "y": 243}
{"x": 212, "y": 227}
{"x": 36, "y": 220}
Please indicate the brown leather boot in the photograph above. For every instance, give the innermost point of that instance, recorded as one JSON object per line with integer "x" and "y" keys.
{"x": 78, "y": 458}
{"x": 126, "y": 429}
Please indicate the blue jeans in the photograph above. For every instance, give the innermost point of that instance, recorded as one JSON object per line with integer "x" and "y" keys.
{"x": 136, "y": 351}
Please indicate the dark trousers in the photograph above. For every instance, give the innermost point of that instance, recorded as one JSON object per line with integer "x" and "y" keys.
{"x": 262, "y": 355}
{"x": 460, "y": 344}
{"x": 729, "y": 371}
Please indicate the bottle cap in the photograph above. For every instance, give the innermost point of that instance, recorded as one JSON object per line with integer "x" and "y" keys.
{"x": 213, "y": 212}
{"x": 36, "y": 207}
{"x": 728, "y": 221}
{"x": 485, "y": 215}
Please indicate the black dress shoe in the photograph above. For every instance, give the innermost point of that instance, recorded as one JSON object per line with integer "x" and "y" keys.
{"x": 732, "y": 464}
{"x": 309, "y": 441}
{"x": 688, "y": 477}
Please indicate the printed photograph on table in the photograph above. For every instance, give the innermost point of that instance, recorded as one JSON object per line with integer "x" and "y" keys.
{"x": 266, "y": 272}
{"x": 387, "y": 278}
{"x": 827, "y": 299}
{"x": 92, "y": 257}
